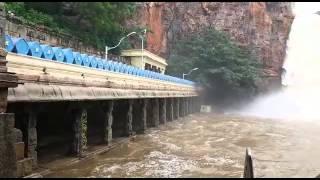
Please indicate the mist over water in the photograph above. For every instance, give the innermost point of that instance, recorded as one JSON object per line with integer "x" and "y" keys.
{"x": 300, "y": 96}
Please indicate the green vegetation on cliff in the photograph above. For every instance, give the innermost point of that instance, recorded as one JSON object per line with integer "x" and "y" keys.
{"x": 95, "y": 23}
{"x": 227, "y": 71}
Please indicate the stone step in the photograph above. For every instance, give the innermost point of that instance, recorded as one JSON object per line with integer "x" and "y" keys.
{"x": 24, "y": 167}
{"x": 19, "y": 147}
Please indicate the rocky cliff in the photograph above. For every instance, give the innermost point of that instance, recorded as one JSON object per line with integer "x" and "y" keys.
{"x": 263, "y": 26}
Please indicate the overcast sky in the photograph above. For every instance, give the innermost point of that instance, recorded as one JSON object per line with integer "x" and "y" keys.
{"x": 302, "y": 8}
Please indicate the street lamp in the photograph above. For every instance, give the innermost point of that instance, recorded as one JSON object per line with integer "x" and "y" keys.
{"x": 109, "y": 48}
{"x": 140, "y": 36}
{"x": 189, "y": 72}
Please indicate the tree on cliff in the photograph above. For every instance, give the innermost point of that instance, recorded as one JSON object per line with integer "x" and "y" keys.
{"x": 227, "y": 71}
{"x": 97, "y": 23}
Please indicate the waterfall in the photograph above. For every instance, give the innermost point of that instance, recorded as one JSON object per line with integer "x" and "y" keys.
{"x": 300, "y": 96}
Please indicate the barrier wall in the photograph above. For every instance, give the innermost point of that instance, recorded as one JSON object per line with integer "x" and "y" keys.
{"x": 66, "y": 55}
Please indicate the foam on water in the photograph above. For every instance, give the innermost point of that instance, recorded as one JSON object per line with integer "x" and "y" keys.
{"x": 300, "y": 95}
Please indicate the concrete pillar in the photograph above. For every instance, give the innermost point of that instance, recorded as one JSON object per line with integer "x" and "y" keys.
{"x": 163, "y": 111}
{"x": 190, "y": 105}
{"x": 141, "y": 115}
{"x": 186, "y": 100}
{"x": 198, "y": 104}
{"x": 128, "y": 123}
{"x": 155, "y": 112}
{"x": 8, "y": 163}
{"x": 144, "y": 113}
{"x": 184, "y": 106}
{"x": 80, "y": 131}
{"x": 170, "y": 103}
{"x": 194, "y": 104}
{"x": 181, "y": 107}
{"x": 187, "y": 105}
{"x": 108, "y": 123}
{"x": 176, "y": 108}
{"x": 32, "y": 137}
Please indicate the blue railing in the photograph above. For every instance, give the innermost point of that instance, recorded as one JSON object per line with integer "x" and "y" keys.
{"x": 66, "y": 55}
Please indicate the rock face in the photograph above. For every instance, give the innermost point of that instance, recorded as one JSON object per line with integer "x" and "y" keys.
{"x": 263, "y": 26}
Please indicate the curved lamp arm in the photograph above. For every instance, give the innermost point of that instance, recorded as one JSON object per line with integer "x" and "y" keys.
{"x": 189, "y": 72}
{"x": 121, "y": 40}
{"x": 192, "y": 70}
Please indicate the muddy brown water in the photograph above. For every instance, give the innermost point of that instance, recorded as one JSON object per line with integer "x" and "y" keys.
{"x": 210, "y": 145}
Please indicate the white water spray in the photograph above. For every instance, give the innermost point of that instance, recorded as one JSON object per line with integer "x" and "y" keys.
{"x": 300, "y": 95}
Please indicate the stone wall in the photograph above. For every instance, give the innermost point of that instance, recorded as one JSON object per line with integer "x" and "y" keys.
{"x": 16, "y": 28}
{"x": 8, "y": 160}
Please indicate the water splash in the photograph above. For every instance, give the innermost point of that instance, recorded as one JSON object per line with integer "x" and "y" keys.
{"x": 300, "y": 96}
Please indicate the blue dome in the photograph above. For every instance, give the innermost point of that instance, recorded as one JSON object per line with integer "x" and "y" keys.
{"x": 106, "y": 64}
{"x": 58, "y": 54}
{"x": 35, "y": 49}
{"x": 109, "y": 63}
{"x": 93, "y": 62}
{"x": 116, "y": 67}
{"x": 9, "y": 44}
{"x": 68, "y": 55}
{"x": 47, "y": 51}
{"x": 145, "y": 73}
{"x": 85, "y": 60}
{"x": 130, "y": 69}
{"x": 20, "y": 46}
{"x": 100, "y": 63}
{"x": 121, "y": 67}
{"x": 77, "y": 59}
{"x": 112, "y": 64}
{"x": 125, "y": 69}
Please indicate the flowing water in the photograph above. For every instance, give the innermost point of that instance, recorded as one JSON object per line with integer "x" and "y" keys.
{"x": 300, "y": 97}
{"x": 210, "y": 145}
{"x": 282, "y": 130}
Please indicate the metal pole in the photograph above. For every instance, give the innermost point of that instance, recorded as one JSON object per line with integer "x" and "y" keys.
{"x": 189, "y": 72}
{"x": 142, "y": 64}
{"x": 106, "y": 52}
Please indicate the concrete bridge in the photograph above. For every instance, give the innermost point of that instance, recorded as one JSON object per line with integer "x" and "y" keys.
{"x": 51, "y": 106}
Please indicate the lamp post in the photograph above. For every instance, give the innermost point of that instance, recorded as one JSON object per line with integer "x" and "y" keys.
{"x": 189, "y": 72}
{"x": 142, "y": 38}
{"x": 109, "y": 48}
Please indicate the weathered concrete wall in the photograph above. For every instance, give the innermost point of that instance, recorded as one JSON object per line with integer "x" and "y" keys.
{"x": 8, "y": 166}
{"x": 8, "y": 138}
{"x": 163, "y": 110}
{"x": 139, "y": 122}
{"x": 108, "y": 122}
{"x": 170, "y": 109}
{"x": 80, "y": 131}
{"x": 16, "y": 28}
{"x": 124, "y": 118}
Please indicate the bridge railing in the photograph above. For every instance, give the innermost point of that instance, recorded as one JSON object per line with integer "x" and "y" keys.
{"x": 66, "y": 55}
